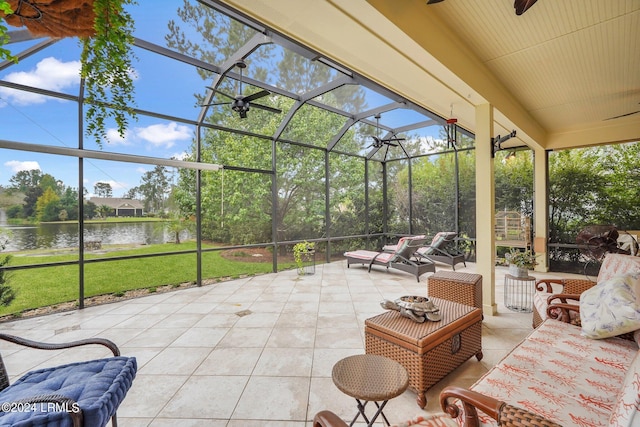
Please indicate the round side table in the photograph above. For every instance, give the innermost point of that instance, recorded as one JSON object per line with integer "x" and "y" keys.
{"x": 518, "y": 293}
{"x": 370, "y": 378}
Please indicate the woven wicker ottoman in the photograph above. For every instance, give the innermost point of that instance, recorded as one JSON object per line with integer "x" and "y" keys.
{"x": 465, "y": 288}
{"x": 429, "y": 351}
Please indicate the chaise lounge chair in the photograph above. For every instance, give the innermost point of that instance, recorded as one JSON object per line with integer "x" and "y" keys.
{"x": 442, "y": 249}
{"x": 401, "y": 257}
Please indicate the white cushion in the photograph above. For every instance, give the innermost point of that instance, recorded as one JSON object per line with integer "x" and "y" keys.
{"x": 611, "y": 307}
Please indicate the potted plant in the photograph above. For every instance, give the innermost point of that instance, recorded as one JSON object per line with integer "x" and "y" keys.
{"x": 105, "y": 29}
{"x": 303, "y": 253}
{"x": 520, "y": 262}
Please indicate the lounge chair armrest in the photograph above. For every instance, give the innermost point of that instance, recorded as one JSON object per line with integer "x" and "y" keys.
{"x": 328, "y": 419}
{"x": 472, "y": 401}
{"x": 60, "y": 346}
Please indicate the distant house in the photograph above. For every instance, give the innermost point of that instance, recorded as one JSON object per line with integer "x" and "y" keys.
{"x": 120, "y": 207}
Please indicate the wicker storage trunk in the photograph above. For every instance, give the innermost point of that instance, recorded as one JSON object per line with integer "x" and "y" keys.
{"x": 431, "y": 350}
{"x": 465, "y": 288}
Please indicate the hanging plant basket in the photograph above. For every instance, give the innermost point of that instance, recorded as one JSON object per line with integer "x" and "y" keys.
{"x": 106, "y": 31}
{"x": 53, "y": 18}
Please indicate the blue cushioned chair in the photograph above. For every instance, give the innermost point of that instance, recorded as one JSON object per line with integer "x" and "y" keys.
{"x": 76, "y": 394}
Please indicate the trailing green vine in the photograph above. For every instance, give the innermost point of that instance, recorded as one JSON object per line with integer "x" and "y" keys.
{"x": 106, "y": 67}
{"x": 5, "y": 54}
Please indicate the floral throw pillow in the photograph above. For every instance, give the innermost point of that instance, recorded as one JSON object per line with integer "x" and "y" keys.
{"x": 611, "y": 307}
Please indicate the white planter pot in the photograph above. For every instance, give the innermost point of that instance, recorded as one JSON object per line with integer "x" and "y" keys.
{"x": 516, "y": 271}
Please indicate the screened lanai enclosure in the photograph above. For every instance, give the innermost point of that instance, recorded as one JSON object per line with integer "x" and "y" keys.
{"x": 241, "y": 144}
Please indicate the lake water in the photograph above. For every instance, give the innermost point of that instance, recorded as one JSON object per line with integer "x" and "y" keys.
{"x": 63, "y": 235}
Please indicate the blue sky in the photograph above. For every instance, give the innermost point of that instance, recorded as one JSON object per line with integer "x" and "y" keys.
{"x": 26, "y": 117}
{"x": 34, "y": 118}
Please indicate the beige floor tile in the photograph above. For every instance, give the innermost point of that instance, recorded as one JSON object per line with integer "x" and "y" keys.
{"x": 149, "y": 394}
{"x": 292, "y": 337}
{"x": 206, "y": 397}
{"x": 230, "y": 361}
{"x": 274, "y": 398}
{"x": 285, "y": 362}
{"x": 176, "y": 361}
{"x": 202, "y": 363}
{"x": 200, "y": 337}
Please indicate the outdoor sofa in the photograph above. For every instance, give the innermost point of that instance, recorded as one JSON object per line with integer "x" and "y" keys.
{"x": 562, "y": 374}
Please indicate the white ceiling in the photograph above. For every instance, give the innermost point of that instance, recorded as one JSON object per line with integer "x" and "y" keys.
{"x": 554, "y": 73}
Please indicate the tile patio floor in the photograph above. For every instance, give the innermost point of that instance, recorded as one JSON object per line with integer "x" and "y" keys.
{"x": 202, "y": 363}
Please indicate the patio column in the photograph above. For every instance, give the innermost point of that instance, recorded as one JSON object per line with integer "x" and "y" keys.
{"x": 541, "y": 208}
{"x": 485, "y": 208}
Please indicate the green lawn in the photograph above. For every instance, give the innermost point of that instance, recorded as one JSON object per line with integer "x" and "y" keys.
{"x": 39, "y": 287}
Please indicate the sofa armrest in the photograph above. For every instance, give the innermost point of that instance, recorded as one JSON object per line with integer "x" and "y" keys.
{"x": 503, "y": 413}
{"x": 328, "y": 419}
{"x": 562, "y": 311}
{"x": 568, "y": 286}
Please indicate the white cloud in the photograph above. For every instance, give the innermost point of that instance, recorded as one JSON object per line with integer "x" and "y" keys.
{"x": 180, "y": 156}
{"x": 164, "y": 135}
{"x": 49, "y": 73}
{"x": 141, "y": 170}
{"x": 17, "y": 166}
{"x": 114, "y": 138}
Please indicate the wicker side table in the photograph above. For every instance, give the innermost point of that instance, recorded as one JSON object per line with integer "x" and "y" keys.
{"x": 370, "y": 378}
{"x": 463, "y": 288}
{"x": 429, "y": 351}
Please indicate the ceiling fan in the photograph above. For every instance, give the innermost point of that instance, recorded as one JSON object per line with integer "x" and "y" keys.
{"x": 520, "y": 6}
{"x": 624, "y": 115}
{"x": 241, "y": 104}
{"x": 379, "y": 142}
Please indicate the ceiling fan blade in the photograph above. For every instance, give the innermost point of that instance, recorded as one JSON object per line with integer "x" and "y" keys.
{"x": 623, "y": 115}
{"x": 221, "y": 92}
{"x": 256, "y": 95}
{"x": 266, "y": 108}
{"x": 433, "y": 1}
{"x": 521, "y": 6}
{"x": 215, "y": 103}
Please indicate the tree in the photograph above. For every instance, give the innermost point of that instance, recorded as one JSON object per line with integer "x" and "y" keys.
{"x": 177, "y": 225}
{"x": 621, "y": 168}
{"x": 90, "y": 210}
{"x": 238, "y": 205}
{"x": 47, "y": 206}
{"x": 154, "y": 188}
{"x": 24, "y": 180}
{"x": 103, "y": 211}
{"x": 103, "y": 189}
{"x": 69, "y": 202}
{"x": 575, "y": 187}
{"x": 132, "y": 193}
